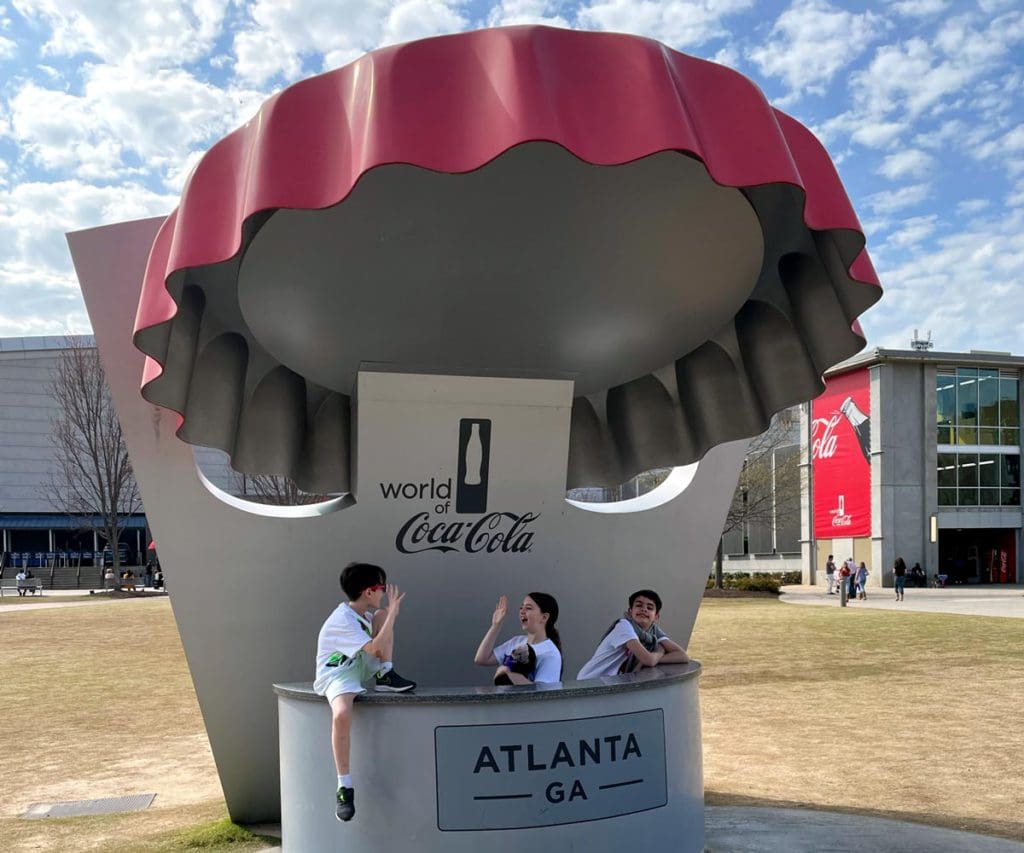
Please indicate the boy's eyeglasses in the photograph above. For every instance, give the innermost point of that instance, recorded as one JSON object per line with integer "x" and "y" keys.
{"x": 375, "y": 587}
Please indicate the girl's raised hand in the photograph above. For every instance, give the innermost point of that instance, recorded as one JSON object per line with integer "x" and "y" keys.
{"x": 500, "y": 609}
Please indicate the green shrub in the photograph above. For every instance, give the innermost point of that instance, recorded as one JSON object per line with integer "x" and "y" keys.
{"x": 757, "y": 583}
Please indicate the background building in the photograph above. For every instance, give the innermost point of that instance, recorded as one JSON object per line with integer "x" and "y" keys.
{"x": 916, "y": 454}
{"x": 34, "y": 528}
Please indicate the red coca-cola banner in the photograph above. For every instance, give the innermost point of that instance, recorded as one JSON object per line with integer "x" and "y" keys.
{"x": 841, "y": 457}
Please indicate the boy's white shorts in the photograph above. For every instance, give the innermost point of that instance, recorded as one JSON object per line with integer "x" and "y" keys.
{"x": 352, "y": 680}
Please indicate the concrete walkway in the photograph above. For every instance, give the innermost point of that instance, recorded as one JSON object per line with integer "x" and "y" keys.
{"x": 59, "y": 598}
{"x": 733, "y": 829}
{"x": 736, "y": 829}
{"x": 1007, "y": 600}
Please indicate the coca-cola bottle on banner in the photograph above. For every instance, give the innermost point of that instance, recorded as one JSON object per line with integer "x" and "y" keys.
{"x": 861, "y": 424}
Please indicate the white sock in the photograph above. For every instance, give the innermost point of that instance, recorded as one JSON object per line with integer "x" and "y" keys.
{"x": 387, "y": 666}
{"x": 344, "y": 781}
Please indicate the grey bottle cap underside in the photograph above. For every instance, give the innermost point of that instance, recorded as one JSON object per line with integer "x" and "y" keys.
{"x": 687, "y": 312}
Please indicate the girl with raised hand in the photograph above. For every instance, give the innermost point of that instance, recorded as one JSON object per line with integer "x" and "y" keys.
{"x": 537, "y": 615}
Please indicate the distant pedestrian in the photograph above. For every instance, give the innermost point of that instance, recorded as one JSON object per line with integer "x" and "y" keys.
{"x": 21, "y": 587}
{"x": 899, "y": 577}
{"x": 918, "y": 575}
{"x": 862, "y": 581}
{"x": 108, "y": 578}
{"x": 830, "y": 574}
{"x": 851, "y": 575}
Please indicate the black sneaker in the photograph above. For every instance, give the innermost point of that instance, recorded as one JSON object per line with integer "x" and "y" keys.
{"x": 346, "y": 804}
{"x": 392, "y": 682}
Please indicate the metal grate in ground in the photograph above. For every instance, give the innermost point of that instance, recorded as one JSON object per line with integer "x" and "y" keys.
{"x": 80, "y": 808}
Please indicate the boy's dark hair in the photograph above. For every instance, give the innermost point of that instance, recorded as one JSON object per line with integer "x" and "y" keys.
{"x": 356, "y": 577}
{"x": 647, "y": 593}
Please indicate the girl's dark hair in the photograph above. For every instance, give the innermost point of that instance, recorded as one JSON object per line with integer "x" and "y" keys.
{"x": 549, "y": 605}
{"x": 356, "y": 577}
{"x": 900, "y": 564}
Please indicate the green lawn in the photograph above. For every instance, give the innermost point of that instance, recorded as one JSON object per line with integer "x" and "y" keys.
{"x": 906, "y": 715}
{"x": 913, "y": 716}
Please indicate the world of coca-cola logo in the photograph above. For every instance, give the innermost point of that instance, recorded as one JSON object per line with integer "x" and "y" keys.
{"x": 439, "y": 528}
{"x": 495, "y": 532}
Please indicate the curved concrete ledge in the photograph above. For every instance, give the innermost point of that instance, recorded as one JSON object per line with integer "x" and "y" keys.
{"x": 600, "y": 763}
{"x": 644, "y": 679}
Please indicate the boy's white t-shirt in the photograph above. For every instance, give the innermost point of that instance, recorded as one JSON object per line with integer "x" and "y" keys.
{"x": 549, "y": 659}
{"x": 611, "y": 652}
{"x": 339, "y": 646}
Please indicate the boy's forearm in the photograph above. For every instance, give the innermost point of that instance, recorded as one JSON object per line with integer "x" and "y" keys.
{"x": 381, "y": 640}
{"x": 678, "y": 656}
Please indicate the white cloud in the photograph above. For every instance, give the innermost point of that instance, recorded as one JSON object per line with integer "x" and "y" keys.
{"x": 509, "y": 12}
{"x": 878, "y": 134}
{"x": 890, "y": 201}
{"x": 811, "y": 41}
{"x": 920, "y": 8}
{"x": 679, "y": 23}
{"x": 7, "y": 48}
{"x": 972, "y": 205}
{"x": 913, "y": 77}
{"x": 151, "y": 33}
{"x": 277, "y": 38}
{"x": 157, "y": 117}
{"x": 908, "y": 163}
{"x": 38, "y": 290}
{"x": 948, "y": 284}
{"x": 912, "y": 231}
{"x": 415, "y": 19}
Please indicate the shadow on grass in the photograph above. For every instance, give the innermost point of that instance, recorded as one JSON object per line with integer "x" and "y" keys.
{"x": 1010, "y": 829}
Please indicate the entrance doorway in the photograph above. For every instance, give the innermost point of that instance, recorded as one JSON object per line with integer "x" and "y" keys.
{"x": 985, "y": 555}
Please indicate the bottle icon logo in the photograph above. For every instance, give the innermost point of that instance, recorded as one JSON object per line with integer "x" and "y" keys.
{"x": 473, "y": 467}
{"x": 861, "y": 425}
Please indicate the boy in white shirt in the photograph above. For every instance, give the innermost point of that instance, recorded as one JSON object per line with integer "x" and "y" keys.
{"x": 355, "y": 648}
{"x": 634, "y": 641}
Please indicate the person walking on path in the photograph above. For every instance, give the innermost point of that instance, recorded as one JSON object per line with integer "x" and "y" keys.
{"x": 862, "y": 581}
{"x": 851, "y": 579}
{"x": 899, "y": 577}
{"x": 830, "y": 574}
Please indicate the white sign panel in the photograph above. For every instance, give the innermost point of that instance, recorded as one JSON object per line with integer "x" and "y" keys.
{"x": 522, "y": 775}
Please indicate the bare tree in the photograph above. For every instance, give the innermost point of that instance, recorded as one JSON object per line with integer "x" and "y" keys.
{"x": 768, "y": 491}
{"x": 276, "y": 490}
{"x": 92, "y": 478}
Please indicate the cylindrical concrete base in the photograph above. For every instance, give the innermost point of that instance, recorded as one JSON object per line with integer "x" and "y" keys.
{"x": 598, "y": 765}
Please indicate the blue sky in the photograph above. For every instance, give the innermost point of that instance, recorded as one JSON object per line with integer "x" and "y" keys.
{"x": 105, "y": 106}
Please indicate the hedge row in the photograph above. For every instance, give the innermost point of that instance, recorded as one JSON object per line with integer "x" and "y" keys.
{"x": 756, "y": 582}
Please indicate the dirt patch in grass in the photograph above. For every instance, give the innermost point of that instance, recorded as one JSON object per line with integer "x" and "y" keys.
{"x": 905, "y": 715}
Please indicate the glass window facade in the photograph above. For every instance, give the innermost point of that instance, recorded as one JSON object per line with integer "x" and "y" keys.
{"x": 977, "y": 417}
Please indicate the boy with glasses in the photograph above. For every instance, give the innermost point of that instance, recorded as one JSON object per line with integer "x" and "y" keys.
{"x": 354, "y": 648}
